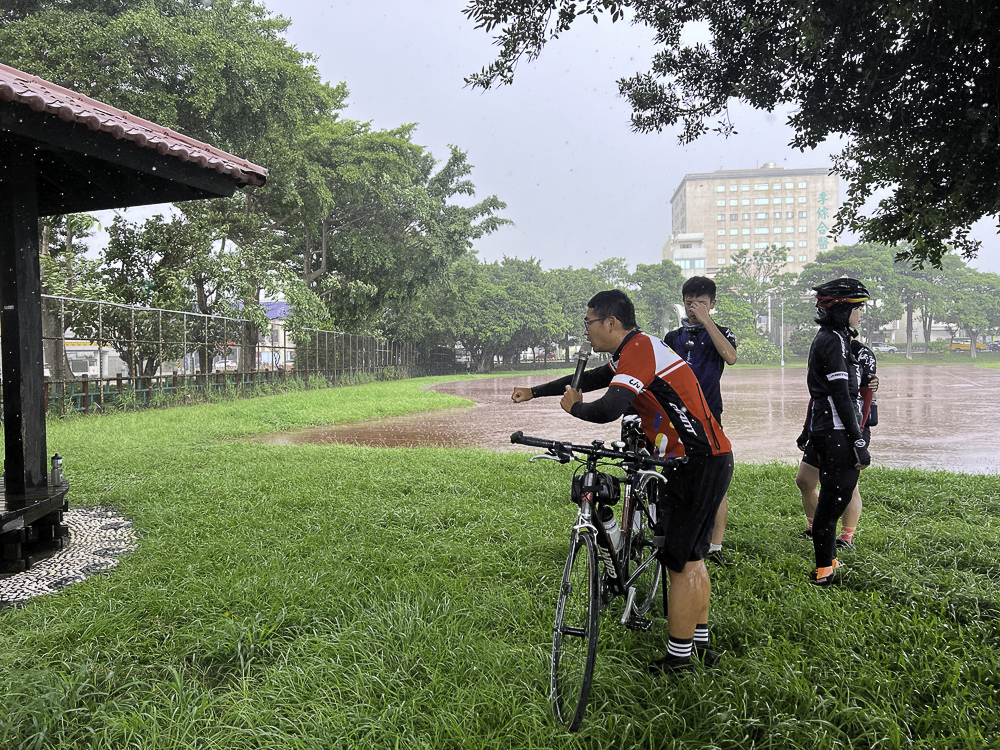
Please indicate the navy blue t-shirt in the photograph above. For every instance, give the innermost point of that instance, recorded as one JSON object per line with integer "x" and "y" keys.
{"x": 696, "y": 347}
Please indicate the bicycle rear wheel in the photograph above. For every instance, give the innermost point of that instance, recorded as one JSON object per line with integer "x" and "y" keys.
{"x": 574, "y": 639}
{"x": 638, "y": 549}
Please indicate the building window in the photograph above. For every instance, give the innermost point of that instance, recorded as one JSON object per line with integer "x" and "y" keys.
{"x": 789, "y": 185}
{"x": 734, "y": 217}
{"x": 761, "y": 215}
{"x": 777, "y": 201}
{"x": 802, "y": 243}
{"x": 720, "y": 217}
{"x": 789, "y": 199}
{"x": 802, "y": 229}
{"x": 734, "y": 230}
{"x": 760, "y": 186}
{"x": 776, "y": 186}
{"x": 720, "y": 189}
{"x": 746, "y": 230}
{"x": 744, "y": 188}
{"x": 720, "y": 203}
{"x": 720, "y": 231}
{"x": 802, "y": 184}
{"x": 802, "y": 200}
{"x": 777, "y": 230}
{"x": 760, "y": 201}
{"x": 802, "y": 214}
{"x": 734, "y": 245}
{"x": 803, "y": 258}
{"x": 745, "y": 246}
{"x": 789, "y": 243}
{"x": 732, "y": 188}
{"x": 790, "y": 259}
{"x": 722, "y": 261}
{"x": 761, "y": 230}
{"x": 744, "y": 201}
{"x": 686, "y": 247}
{"x": 760, "y": 245}
{"x": 721, "y": 246}
{"x": 789, "y": 230}
{"x": 699, "y": 262}
{"x": 777, "y": 214}
{"x": 732, "y": 202}
{"x": 790, "y": 215}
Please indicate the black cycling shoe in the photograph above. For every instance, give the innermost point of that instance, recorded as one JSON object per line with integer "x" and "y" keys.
{"x": 707, "y": 656}
{"x": 807, "y": 534}
{"x": 670, "y": 664}
{"x": 844, "y": 544}
{"x": 717, "y": 557}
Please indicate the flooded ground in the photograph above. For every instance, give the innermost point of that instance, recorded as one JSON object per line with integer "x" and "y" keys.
{"x": 933, "y": 417}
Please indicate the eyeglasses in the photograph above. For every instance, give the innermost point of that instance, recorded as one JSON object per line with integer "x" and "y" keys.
{"x": 588, "y": 323}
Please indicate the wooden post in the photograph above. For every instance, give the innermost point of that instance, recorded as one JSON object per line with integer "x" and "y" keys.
{"x": 25, "y": 462}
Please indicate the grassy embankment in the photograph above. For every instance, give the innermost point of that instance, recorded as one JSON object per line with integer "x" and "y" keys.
{"x": 346, "y": 597}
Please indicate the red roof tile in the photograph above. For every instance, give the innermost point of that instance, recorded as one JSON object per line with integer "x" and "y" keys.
{"x": 42, "y": 96}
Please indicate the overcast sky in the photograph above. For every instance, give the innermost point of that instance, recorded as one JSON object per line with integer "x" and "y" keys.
{"x": 556, "y": 146}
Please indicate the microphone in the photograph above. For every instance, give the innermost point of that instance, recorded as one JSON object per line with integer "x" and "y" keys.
{"x": 581, "y": 364}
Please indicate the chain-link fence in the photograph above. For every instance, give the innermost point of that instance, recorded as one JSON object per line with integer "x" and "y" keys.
{"x": 103, "y": 354}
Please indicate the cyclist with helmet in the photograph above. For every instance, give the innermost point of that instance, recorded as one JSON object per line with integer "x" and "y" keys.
{"x": 833, "y": 426}
{"x": 807, "y": 478}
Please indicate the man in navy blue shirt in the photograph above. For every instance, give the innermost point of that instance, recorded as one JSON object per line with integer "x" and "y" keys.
{"x": 707, "y": 348}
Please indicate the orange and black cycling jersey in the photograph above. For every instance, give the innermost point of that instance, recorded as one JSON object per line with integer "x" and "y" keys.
{"x": 648, "y": 377}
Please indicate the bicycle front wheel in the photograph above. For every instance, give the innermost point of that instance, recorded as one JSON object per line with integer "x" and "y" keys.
{"x": 638, "y": 549}
{"x": 574, "y": 639}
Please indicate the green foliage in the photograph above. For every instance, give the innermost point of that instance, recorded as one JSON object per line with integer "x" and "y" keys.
{"x": 882, "y": 76}
{"x": 657, "y": 291}
{"x": 753, "y": 350}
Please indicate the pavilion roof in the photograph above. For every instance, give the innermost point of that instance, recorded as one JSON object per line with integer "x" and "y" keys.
{"x": 44, "y": 97}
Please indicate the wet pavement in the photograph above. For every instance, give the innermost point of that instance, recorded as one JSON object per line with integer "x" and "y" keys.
{"x": 932, "y": 417}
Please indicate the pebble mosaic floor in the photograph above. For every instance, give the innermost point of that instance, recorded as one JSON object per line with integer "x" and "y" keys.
{"x": 97, "y": 537}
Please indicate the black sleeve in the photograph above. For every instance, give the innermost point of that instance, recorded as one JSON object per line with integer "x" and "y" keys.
{"x": 593, "y": 380}
{"x": 607, "y": 408}
{"x": 847, "y": 410}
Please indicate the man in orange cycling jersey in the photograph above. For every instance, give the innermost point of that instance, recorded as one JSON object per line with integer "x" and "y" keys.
{"x": 646, "y": 377}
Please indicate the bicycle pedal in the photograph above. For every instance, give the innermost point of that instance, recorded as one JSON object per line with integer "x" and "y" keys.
{"x": 639, "y": 624}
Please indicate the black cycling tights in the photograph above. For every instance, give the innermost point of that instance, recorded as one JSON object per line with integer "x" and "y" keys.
{"x": 837, "y": 480}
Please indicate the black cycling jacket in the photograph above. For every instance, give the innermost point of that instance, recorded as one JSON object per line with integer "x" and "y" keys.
{"x": 834, "y": 381}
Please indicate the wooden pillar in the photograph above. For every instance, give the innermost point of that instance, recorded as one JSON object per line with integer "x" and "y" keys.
{"x": 25, "y": 460}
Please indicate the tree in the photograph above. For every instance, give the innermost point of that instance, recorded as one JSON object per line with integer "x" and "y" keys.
{"x": 658, "y": 290}
{"x": 757, "y": 278}
{"x": 910, "y": 84}
{"x": 870, "y": 263}
{"x": 569, "y": 289}
{"x": 65, "y": 270}
{"x": 974, "y": 303}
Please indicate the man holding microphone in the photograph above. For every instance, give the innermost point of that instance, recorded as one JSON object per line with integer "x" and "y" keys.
{"x": 646, "y": 377}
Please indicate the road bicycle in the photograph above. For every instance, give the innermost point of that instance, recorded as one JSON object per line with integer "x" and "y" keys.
{"x": 596, "y": 572}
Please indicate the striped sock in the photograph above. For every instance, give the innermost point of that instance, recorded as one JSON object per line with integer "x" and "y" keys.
{"x": 847, "y": 533}
{"x": 679, "y": 647}
{"x": 701, "y": 635}
{"x": 810, "y": 522}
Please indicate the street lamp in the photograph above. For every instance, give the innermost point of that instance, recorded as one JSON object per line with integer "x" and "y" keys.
{"x": 782, "y": 331}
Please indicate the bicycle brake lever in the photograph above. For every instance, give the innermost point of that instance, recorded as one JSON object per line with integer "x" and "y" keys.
{"x": 548, "y": 456}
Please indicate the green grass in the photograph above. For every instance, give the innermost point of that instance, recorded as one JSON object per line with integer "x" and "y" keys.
{"x": 347, "y": 597}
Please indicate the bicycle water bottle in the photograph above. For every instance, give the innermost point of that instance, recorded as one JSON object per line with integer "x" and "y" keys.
{"x": 614, "y": 533}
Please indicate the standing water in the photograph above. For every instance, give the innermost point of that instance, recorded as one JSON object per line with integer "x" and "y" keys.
{"x": 931, "y": 417}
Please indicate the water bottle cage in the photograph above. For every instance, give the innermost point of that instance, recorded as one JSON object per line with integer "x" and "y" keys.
{"x": 607, "y": 489}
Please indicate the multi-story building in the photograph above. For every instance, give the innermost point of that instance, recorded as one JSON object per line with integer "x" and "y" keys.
{"x": 717, "y": 214}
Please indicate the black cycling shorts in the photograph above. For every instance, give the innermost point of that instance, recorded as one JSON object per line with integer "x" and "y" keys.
{"x": 810, "y": 457}
{"x": 686, "y": 507}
